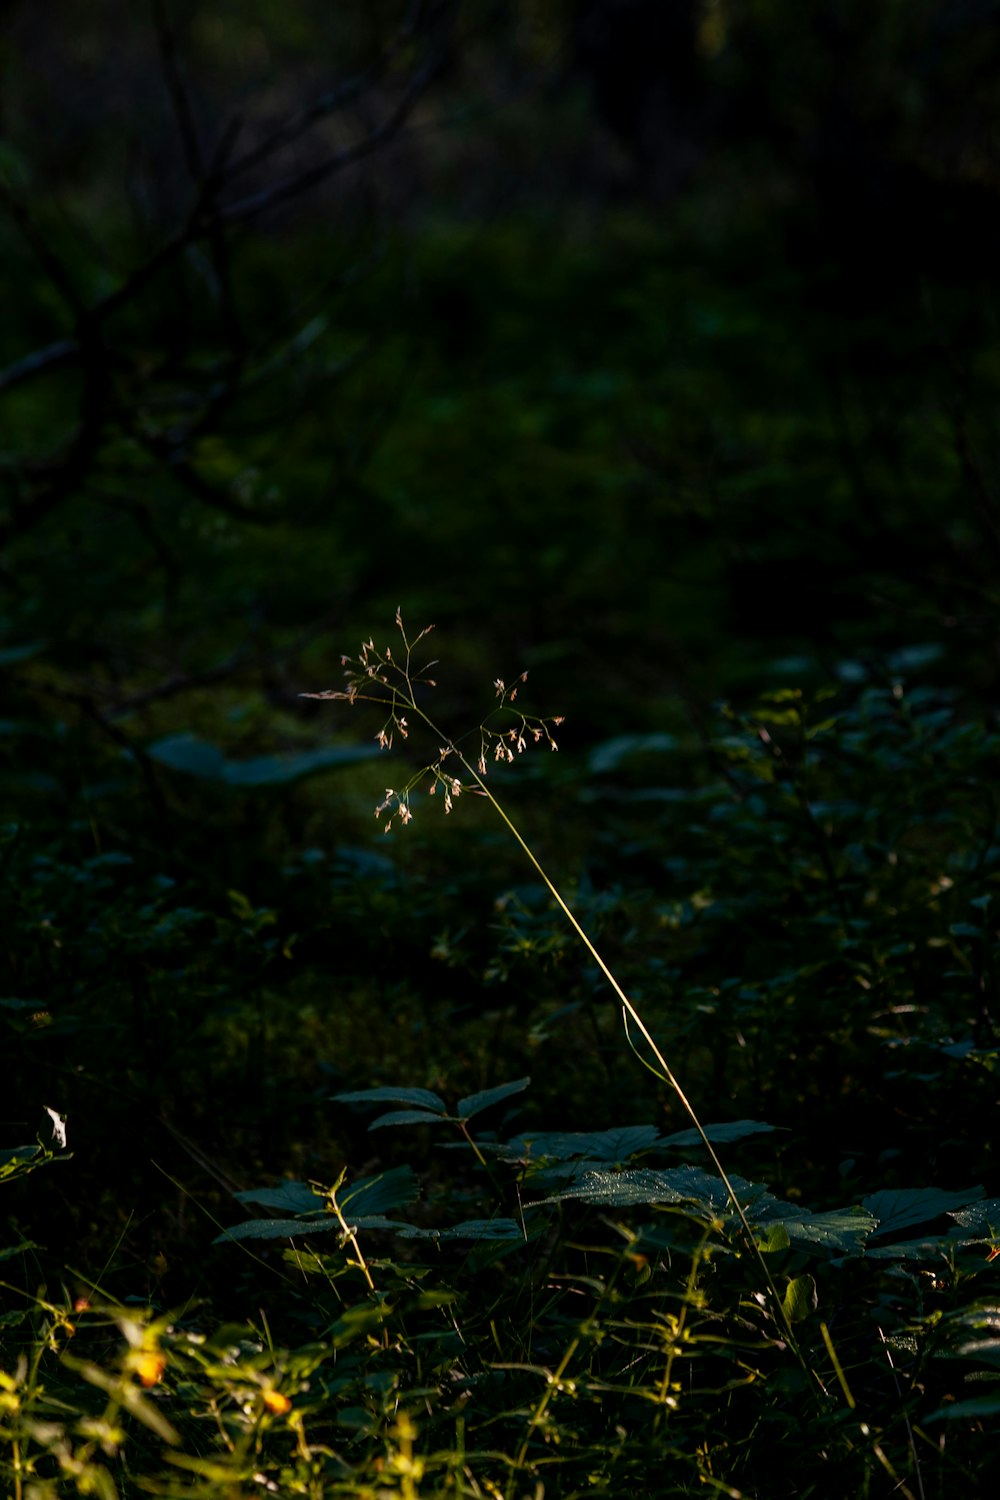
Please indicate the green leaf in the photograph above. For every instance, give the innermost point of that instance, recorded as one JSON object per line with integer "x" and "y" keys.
{"x": 800, "y": 1298}
{"x": 279, "y": 770}
{"x": 277, "y": 1229}
{"x": 738, "y": 1130}
{"x": 369, "y": 1196}
{"x": 983, "y": 1216}
{"x": 15, "y": 1155}
{"x": 601, "y": 1145}
{"x": 418, "y": 1098}
{"x": 474, "y": 1104}
{"x": 643, "y": 1185}
{"x": 609, "y": 754}
{"x": 469, "y": 1229}
{"x": 901, "y": 1208}
{"x": 407, "y": 1117}
{"x": 772, "y": 1238}
{"x": 293, "y": 1197}
{"x": 195, "y": 757}
{"x": 485, "y": 1229}
{"x": 21, "y": 1248}
{"x": 843, "y": 1231}
{"x": 374, "y": 1195}
{"x": 978, "y": 1406}
{"x": 917, "y": 1250}
{"x": 11, "y": 655}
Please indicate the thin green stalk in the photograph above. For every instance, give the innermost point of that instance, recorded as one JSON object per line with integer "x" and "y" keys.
{"x": 631, "y": 1014}
{"x": 373, "y": 671}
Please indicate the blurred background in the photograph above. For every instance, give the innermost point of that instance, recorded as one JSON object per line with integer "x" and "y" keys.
{"x": 649, "y": 345}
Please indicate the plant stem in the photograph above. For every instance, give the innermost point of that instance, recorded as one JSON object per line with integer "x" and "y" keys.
{"x": 631, "y": 1014}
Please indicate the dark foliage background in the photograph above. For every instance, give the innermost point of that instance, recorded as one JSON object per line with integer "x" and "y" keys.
{"x": 650, "y": 345}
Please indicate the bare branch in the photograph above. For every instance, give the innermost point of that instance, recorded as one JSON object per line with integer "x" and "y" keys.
{"x": 183, "y": 112}
{"x": 248, "y": 208}
{"x": 42, "y": 251}
{"x": 327, "y": 104}
{"x": 62, "y": 352}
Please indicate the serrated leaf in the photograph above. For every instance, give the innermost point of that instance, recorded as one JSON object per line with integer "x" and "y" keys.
{"x": 15, "y": 1156}
{"x": 485, "y": 1229}
{"x": 644, "y": 1186}
{"x": 474, "y": 1104}
{"x": 983, "y": 1216}
{"x": 800, "y": 1298}
{"x": 277, "y": 1229}
{"x": 377, "y": 1221}
{"x": 407, "y": 1117}
{"x": 901, "y": 1208}
{"x": 610, "y": 1146}
{"x": 418, "y": 1098}
{"x": 368, "y": 1197}
{"x": 469, "y": 1229}
{"x": 738, "y": 1130}
{"x": 843, "y": 1231}
{"x": 293, "y": 1197}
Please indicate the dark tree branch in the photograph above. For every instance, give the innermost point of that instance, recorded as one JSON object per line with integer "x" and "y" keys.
{"x": 179, "y": 99}
{"x": 248, "y": 208}
{"x": 62, "y": 352}
{"x": 210, "y": 220}
{"x": 42, "y": 251}
{"x": 328, "y": 104}
{"x": 174, "y": 459}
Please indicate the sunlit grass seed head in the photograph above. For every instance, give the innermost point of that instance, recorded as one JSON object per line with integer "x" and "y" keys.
{"x": 393, "y": 684}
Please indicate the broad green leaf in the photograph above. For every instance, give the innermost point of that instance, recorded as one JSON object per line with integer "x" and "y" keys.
{"x": 474, "y": 1104}
{"x": 916, "y": 1250}
{"x": 279, "y": 770}
{"x": 609, "y": 755}
{"x": 370, "y": 1196}
{"x": 738, "y": 1130}
{"x": 975, "y": 1319}
{"x": 644, "y": 1185}
{"x": 901, "y": 1208}
{"x": 843, "y": 1231}
{"x": 187, "y": 753}
{"x": 196, "y": 757}
{"x": 772, "y": 1238}
{"x": 407, "y": 1117}
{"x": 485, "y": 1229}
{"x": 376, "y": 1221}
{"x": 293, "y": 1197}
{"x": 602, "y": 1145}
{"x": 277, "y": 1229}
{"x": 11, "y": 655}
{"x": 800, "y": 1298}
{"x": 418, "y": 1098}
{"x": 469, "y": 1229}
{"x": 373, "y": 1195}
{"x": 978, "y": 1406}
{"x": 983, "y": 1216}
